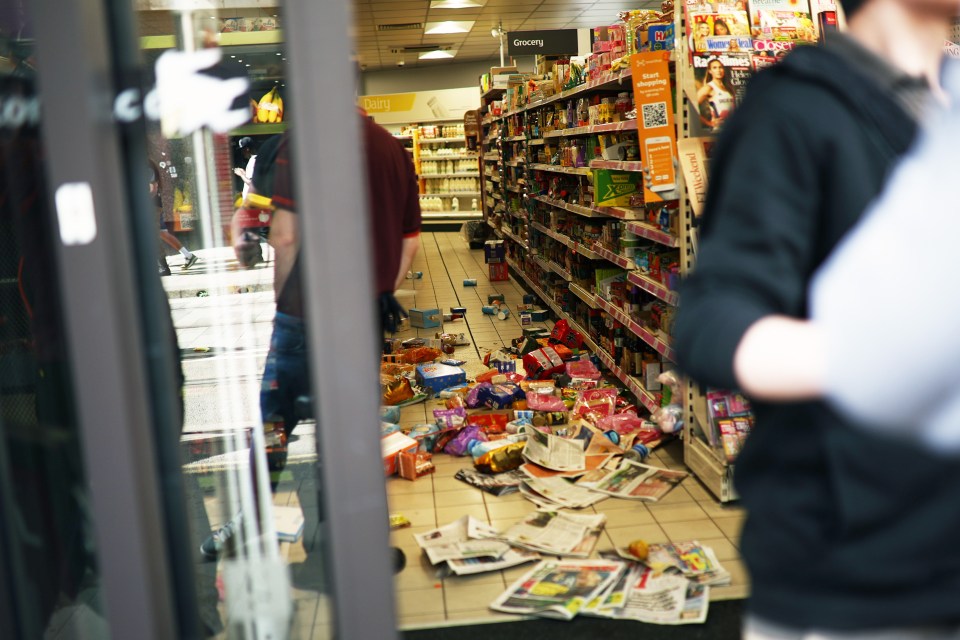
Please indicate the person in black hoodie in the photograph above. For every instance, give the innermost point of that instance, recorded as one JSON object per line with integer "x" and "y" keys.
{"x": 849, "y": 531}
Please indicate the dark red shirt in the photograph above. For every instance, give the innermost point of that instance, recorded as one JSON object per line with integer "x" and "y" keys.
{"x": 393, "y": 203}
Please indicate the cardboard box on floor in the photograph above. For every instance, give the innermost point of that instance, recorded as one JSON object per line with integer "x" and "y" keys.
{"x": 391, "y": 445}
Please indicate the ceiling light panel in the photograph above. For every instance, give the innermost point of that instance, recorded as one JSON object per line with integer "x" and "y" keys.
{"x": 456, "y": 4}
{"x": 437, "y": 55}
{"x": 448, "y": 26}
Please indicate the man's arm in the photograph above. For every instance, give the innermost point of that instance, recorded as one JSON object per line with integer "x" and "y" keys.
{"x": 781, "y": 359}
{"x": 411, "y": 244}
{"x": 285, "y": 239}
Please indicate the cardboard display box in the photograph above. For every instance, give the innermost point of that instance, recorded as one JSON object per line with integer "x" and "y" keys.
{"x": 391, "y": 445}
{"x": 437, "y": 377}
{"x": 425, "y": 318}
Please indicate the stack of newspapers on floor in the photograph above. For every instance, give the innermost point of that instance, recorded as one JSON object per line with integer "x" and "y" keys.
{"x": 672, "y": 586}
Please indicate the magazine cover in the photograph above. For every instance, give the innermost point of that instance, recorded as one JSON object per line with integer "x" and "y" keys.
{"x": 720, "y": 81}
{"x": 782, "y": 20}
{"x": 720, "y": 32}
{"x": 558, "y": 588}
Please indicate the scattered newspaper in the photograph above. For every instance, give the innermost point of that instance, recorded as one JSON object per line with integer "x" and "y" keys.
{"x": 589, "y": 462}
{"x": 696, "y": 561}
{"x": 512, "y": 558}
{"x": 558, "y": 588}
{"x": 557, "y": 533}
{"x": 461, "y": 539}
{"x": 644, "y": 595}
{"x": 553, "y": 452}
{"x": 498, "y": 484}
{"x": 557, "y": 492}
{"x": 632, "y": 480}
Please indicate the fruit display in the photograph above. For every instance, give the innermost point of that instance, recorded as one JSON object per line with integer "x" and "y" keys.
{"x": 270, "y": 107}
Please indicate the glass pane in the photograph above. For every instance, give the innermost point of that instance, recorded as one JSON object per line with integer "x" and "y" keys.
{"x": 46, "y": 546}
{"x": 248, "y": 447}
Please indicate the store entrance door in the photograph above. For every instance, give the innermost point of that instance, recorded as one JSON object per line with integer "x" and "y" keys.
{"x": 174, "y": 461}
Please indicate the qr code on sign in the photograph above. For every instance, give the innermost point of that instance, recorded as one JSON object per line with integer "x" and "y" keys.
{"x": 655, "y": 115}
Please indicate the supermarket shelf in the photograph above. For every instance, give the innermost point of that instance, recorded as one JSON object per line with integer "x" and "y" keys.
{"x": 452, "y": 156}
{"x": 560, "y": 271}
{"x": 514, "y": 188}
{"x": 584, "y": 295}
{"x": 540, "y": 292}
{"x": 494, "y": 178}
{"x": 600, "y": 83}
{"x": 652, "y": 233}
{"x": 627, "y": 125}
{"x": 454, "y": 194}
{"x": 635, "y": 166}
{"x": 491, "y": 157}
{"x": 510, "y": 234}
{"x": 442, "y": 140}
{"x": 396, "y": 137}
{"x": 516, "y": 162}
{"x": 615, "y": 258}
{"x": 659, "y": 345}
{"x": 644, "y": 396}
{"x": 515, "y": 139}
{"x": 577, "y": 171}
{"x": 589, "y": 212}
{"x": 535, "y": 142}
{"x": 586, "y": 336}
{"x": 429, "y": 176}
{"x": 451, "y": 215}
{"x": 559, "y": 237}
{"x": 707, "y": 465}
{"x": 259, "y": 129}
{"x": 653, "y": 287}
{"x": 493, "y": 92}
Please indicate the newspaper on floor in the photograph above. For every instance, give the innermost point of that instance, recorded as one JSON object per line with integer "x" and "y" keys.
{"x": 696, "y": 561}
{"x": 632, "y": 480}
{"x": 553, "y": 452}
{"x": 498, "y": 484}
{"x": 464, "y": 538}
{"x": 664, "y": 598}
{"x": 557, "y": 533}
{"x": 559, "y": 492}
{"x": 590, "y": 462}
{"x": 558, "y": 588}
{"x": 512, "y": 558}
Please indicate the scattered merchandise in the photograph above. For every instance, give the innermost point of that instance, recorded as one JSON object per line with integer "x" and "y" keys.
{"x": 498, "y": 484}
{"x": 558, "y": 588}
{"x": 633, "y": 481}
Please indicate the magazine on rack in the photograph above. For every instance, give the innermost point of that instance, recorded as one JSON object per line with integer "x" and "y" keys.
{"x": 557, "y": 533}
{"x": 633, "y": 481}
{"x": 780, "y": 20}
{"x": 558, "y": 588}
{"x": 719, "y": 83}
{"x": 718, "y": 30}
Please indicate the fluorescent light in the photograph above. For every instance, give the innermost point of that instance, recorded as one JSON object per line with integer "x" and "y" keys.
{"x": 456, "y": 4}
{"x": 436, "y": 55}
{"x": 449, "y": 26}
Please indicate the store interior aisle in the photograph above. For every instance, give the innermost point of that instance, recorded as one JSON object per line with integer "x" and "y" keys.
{"x": 425, "y": 600}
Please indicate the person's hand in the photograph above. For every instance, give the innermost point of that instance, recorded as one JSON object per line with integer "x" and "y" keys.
{"x": 240, "y": 172}
{"x": 391, "y": 313}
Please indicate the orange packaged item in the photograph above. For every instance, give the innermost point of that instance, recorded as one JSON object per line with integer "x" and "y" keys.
{"x": 419, "y": 355}
{"x": 490, "y": 422}
{"x": 487, "y": 376}
{"x": 396, "y": 391}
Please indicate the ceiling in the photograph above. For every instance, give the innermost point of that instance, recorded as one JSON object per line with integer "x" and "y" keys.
{"x": 378, "y": 49}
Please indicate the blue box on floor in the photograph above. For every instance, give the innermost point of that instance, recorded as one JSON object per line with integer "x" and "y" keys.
{"x": 493, "y": 251}
{"x": 437, "y": 377}
{"x": 425, "y": 318}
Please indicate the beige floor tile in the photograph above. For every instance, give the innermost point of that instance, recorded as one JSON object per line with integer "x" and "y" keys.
{"x": 410, "y": 501}
{"x": 717, "y": 509}
{"x": 420, "y": 517}
{"x": 677, "y": 495}
{"x": 731, "y": 526}
{"x": 637, "y": 516}
{"x": 455, "y": 498}
{"x": 419, "y": 602}
{"x": 445, "y": 482}
{"x": 397, "y": 486}
{"x": 482, "y": 616}
{"x": 413, "y": 621}
{"x": 471, "y": 597}
{"x": 490, "y": 577}
{"x": 683, "y": 512}
{"x": 692, "y": 530}
{"x": 447, "y": 515}
{"x": 418, "y": 575}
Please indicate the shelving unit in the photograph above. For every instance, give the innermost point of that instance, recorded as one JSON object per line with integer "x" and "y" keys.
{"x": 545, "y": 256}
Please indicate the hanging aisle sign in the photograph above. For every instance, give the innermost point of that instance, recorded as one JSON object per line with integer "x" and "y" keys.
{"x": 548, "y": 42}
{"x": 422, "y": 106}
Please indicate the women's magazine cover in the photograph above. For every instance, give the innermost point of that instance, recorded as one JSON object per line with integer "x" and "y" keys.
{"x": 717, "y": 27}
{"x": 779, "y": 20}
{"x": 720, "y": 81}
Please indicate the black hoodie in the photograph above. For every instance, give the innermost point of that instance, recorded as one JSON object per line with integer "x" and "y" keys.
{"x": 846, "y": 529}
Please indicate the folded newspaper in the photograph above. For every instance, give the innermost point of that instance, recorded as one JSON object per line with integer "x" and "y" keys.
{"x": 468, "y": 546}
{"x": 555, "y": 492}
{"x": 558, "y": 588}
{"x": 647, "y": 596}
{"x": 632, "y": 480}
{"x": 553, "y": 452}
{"x": 557, "y": 533}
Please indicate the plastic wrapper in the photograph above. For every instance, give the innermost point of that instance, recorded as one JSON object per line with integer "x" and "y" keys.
{"x": 582, "y": 369}
{"x": 450, "y": 418}
{"x": 454, "y": 401}
{"x": 419, "y": 355}
{"x": 473, "y": 396}
{"x": 386, "y": 428}
{"x": 672, "y": 386}
{"x": 426, "y": 434}
{"x": 390, "y": 414}
{"x": 393, "y": 369}
{"x": 491, "y": 423}
{"x": 487, "y": 376}
{"x": 502, "y": 459}
{"x": 668, "y": 419}
{"x": 396, "y": 391}
{"x": 545, "y": 402}
{"x": 595, "y": 404}
{"x": 622, "y": 423}
{"x": 462, "y": 442}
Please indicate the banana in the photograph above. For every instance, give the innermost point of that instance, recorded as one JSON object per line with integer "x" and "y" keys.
{"x": 270, "y": 106}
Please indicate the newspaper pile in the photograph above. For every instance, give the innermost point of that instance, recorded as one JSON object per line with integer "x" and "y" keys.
{"x": 468, "y": 546}
{"x": 672, "y": 587}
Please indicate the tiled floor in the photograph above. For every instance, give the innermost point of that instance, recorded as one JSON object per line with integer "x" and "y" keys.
{"x": 424, "y": 600}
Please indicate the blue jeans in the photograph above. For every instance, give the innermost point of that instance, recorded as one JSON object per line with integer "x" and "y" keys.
{"x": 286, "y": 375}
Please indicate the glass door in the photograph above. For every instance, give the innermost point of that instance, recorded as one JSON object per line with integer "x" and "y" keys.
{"x": 186, "y": 389}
